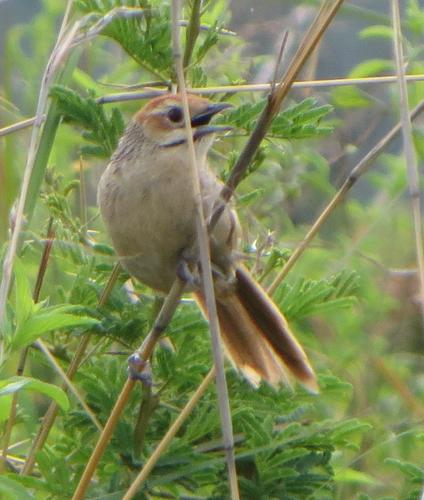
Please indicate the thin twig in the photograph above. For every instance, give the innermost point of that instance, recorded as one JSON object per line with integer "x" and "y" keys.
{"x": 226, "y": 89}
{"x": 104, "y": 21}
{"x": 82, "y": 196}
{"x": 275, "y": 99}
{"x": 409, "y": 152}
{"x": 206, "y": 268}
{"x": 148, "y": 405}
{"x": 169, "y": 306}
{"x": 192, "y": 32}
{"x": 278, "y": 60}
{"x": 361, "y": 167}
{"x": 170, "y": 434}
{"x": 51, "y": 413}
{"x": 256, "y": 87}
{"x": 28, "y": 122}
{"x": 392, "y": 378}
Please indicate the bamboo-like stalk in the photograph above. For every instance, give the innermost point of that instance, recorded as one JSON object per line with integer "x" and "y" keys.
{"x": 104, "y": 439}
{"x": 361, "y": 168}
{"x": 409, "y": 152}
{"x": 144, "y": 352}
{"x": 206, "y": 267}
{"x": 170, "y": 434}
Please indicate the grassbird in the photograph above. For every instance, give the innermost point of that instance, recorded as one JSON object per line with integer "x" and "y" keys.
{"x": 148, "y": 205}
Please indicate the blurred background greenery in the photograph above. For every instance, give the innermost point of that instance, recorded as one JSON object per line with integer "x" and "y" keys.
{"x": 352, "y": 298}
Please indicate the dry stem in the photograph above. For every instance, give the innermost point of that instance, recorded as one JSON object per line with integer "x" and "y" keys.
{"x": 256, "y": 87}
{"x": 225, "y": 89}
{"x": 206, "y": 268}
{"x": 170, "y": 434}
{"x": 51, "y": 413}
{"x": 409, "y": 151}
{"x": 22, "y": 358}
{"x": 309, "y": 42}
{"x": 164, "y": 317}
{"x": 361, "y": 167}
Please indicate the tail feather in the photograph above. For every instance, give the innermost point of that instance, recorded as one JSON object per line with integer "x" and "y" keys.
{"x": 256, "y": 336}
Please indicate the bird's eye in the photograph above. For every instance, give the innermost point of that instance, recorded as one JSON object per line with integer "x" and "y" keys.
{"x": 175, "y": 114}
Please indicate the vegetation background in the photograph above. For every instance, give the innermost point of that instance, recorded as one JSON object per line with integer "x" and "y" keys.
{"x": 352, "y": 299}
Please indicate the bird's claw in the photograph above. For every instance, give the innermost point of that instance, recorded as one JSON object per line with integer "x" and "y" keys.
{"x": 138, "y": 369}
{"x": 185, "y": 273}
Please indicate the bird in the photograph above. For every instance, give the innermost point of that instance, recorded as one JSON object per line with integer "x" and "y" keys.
{"x": 148, "y": 206}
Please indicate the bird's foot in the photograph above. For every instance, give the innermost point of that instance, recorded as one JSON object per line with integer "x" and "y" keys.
{"x": 138, "y": 369}
{"x": 186, "y": 271}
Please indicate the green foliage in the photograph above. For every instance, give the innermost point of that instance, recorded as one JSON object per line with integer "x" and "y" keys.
{"x": 9, "y": 488}
{"x": 28, "y": 320}
{"x": 306, "y": 297}
{"x": 101, "y": 130}
{"x": 147, "y": 38}
{"x": 299, "y": 121}
{"x": 351, "y": 298}
{"x": 15, "y": 384}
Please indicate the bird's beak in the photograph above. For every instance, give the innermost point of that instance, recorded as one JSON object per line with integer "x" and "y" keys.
{"x": 200, "y": 121}
{"x": 200, "y": 124}
{"x": 205, "y": 116}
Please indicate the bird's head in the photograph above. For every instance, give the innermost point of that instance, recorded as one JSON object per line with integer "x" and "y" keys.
{"x": 162, "y": 120}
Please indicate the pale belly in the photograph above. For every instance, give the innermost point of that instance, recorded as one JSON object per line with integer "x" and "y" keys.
{"x": 151, "y": 227}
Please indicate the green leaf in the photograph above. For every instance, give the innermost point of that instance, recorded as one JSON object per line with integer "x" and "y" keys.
{"x": 412, "y": 471}
{"x": 348, "y": 427}
{"x": 24, "y": 303}
{"x": 102, "y": 130}
{"x": 12, "y": 490}
{"x": 347, "y": 475}
{"x": 296, "y": 122}
{"x": 249, "y": 198}
{"x": 146, "y": 38}
{"x": 349, "y": 97}
{"x": 371, "y": 67}
{"x": 377, "y": 31}
{"x": 306, "y": 297}
{"x": 44, "y": 322}
{"x": 15, "y": 384}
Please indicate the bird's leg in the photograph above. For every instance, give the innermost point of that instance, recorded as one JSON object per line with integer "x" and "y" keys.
{"x": 187, "y": 270}
{"x": 139, "y": 369}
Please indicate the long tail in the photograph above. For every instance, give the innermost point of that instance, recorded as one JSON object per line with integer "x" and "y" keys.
{"x": 256, "y": 336}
